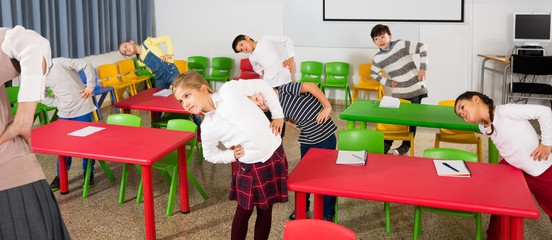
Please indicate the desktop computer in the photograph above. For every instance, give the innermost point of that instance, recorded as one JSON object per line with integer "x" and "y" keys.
{"x": 530, "y": 51}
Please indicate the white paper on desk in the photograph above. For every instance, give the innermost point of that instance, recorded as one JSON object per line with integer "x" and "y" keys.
{"x": 163, "y": 93}
{"x": 389, "y": 102}
{"x": 83, "y": 132}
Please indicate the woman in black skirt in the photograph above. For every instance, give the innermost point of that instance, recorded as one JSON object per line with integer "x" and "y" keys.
{"x": 259, "y": 179}
{"x": 28, "y": 209}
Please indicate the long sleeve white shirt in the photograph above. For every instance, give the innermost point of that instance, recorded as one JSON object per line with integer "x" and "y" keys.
{"x": 515, "y": 138}
{"x": 268, "y": 57}
{"x": 237, "y": 120}
{"x": 65, "y": 82}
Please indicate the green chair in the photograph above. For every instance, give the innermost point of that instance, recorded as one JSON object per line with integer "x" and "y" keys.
{"x": 170, "y": 164}
{"x": 449, "y": 154}
{"x": 337, "y": 76}
{"x": 143, "y": 71}
{"x": 167, "y": 116}
{"x": 363, "y": 139}
{"x": 198, "y": 64}
{"x": 221, "y": 70}
{"x": 126, "y": 120}
{"x": 41, "y": 111}
{"x": 311, "y": 71}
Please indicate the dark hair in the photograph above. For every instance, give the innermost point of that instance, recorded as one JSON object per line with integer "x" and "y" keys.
{"x": 486, "y": 100}
{"x": 379, "y": 30}
{"x": 237, "y": 40}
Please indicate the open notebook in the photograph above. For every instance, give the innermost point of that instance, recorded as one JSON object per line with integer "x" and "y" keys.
{"x": 351, "y": 157}
{"x": 451, "y": 168}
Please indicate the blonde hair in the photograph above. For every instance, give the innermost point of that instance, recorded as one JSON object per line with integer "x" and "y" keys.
{"x": 192, "y": 80}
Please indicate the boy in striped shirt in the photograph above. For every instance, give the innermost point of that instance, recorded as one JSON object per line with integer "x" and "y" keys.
{"x": 307, "y": 109}
{"x": 395, "y": 59}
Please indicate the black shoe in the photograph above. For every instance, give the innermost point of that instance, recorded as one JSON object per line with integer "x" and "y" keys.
{"x": 401, "y": 150}
{"x": 54, "y": 186}
{"x": 329, "y": 218}
{"x": 91, "y": 182}
{"x": 386, "y": 148}
{"x": 292, "y": 215}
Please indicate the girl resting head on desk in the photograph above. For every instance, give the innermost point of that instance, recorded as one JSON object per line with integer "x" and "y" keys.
{"x": 250, "y": 139}
{"x": 516, "y": 140}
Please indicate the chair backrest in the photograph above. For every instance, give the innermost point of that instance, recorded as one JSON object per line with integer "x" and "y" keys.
{"x": 393, "y": 127}
{"x": 13, "y": 92}
{"x": 221, "y": 67}
{"x": 247, "y": 71}
{"x": 452, "y": 131}
{"x": 337, "y": 72}
{"x": 198, "y": 64}
{"x": 450, "y": 154}
{"x": 183, "y": 125}
{"x": 307, "y": 229}
{"x": 534, "y": 65}
{"x": 126, "y": 68}
{"x": 311, "y": 71}
{"x": 124, "y": 119}
{"x": 137, "y": 65}
{"x": 107, "y": 72}
{"x": 360, "y": 139}
{"x": 182, "y": 65}
{"x": 82, "y": 76}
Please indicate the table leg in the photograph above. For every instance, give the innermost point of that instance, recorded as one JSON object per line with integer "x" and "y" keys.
{"x": 63, "y": 186}
{"x": 505, "y": 85}
{"x": 493, "y": 152}
{"x": 516, "y": 228}
{"x": 300, "y": 205}
{"x": 482, "y": 84}
{"x": 183, "y": 180}
{"x": 318, "y": 211}
{"x": 350, "y": 124}
{"x": 504, "y": 227}
{"x": 153, "y": 115}
{"x": 126, "y": 110}
{"x": 149, "y": 210}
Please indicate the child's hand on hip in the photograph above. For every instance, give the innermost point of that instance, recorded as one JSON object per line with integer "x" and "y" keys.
{"x": 238, "y": 151}
{"x": 421, "y": 75}
{"x": 276, "y": 125}
{"x": 542, "y": 152}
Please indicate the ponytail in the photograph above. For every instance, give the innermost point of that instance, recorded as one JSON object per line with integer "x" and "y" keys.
{"x": 486, "y": 100}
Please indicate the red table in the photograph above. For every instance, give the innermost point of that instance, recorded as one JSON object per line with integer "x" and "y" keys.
{"x": 135, "y": 145}
{"x": 492, "y": 188}
{"x": 146, "y": 101}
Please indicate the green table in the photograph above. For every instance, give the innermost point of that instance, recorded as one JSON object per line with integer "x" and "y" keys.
{"x": 421, "y": 115}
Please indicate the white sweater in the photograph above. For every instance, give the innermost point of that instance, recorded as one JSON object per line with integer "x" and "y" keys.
{"x": 237, "y": 120}
{"x": 515, "y": 138}
{"x": 268, "y": 57}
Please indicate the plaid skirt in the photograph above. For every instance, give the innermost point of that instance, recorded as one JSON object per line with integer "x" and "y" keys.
{"x": 30, "y": 211}
{"x": 261, "y": 184}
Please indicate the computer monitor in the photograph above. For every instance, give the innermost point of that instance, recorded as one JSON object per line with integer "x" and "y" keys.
{"x": 532, "y": 28}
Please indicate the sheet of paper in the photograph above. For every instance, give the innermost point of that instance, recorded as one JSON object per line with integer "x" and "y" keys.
{"x": 83, "y": 132}
{"x": 389, "y": 102}
{"x": 163, "y": 93}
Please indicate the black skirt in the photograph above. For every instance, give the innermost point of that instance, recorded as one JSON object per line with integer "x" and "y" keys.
{"x": 31, "y": 212}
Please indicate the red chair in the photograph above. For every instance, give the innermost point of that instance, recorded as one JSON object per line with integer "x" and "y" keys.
{"x": 247, "y": 71}
{"x": 306, "y": 229}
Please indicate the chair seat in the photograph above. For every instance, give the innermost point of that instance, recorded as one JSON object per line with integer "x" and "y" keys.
{"x": 448, "y": 211}
{"x": 535, "y": 88}
{"x": 458, "y": 138}
{"x": 396, "y": 135}
{"x": 368, "y": 85}
{"x": 334, "y": 85}
{"x": 102, "y": 90}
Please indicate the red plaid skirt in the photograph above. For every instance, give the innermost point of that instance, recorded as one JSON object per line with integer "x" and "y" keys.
{"x": 261, "y": 184}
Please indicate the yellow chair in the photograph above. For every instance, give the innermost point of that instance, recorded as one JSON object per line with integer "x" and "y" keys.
{"x": 108, "y": 75}
{"x": 397, "y": 132}
{"x": 126, "y": 69}
{"x": 367, "y": 83}
{"x": 182, "y": 65}
{"x": 458, "y": 136}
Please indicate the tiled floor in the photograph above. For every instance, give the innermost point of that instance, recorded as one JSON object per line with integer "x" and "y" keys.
{"x": 101, "y": 217}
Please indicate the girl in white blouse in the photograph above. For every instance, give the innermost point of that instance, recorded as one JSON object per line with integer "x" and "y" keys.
{"x": 259, "y": 179}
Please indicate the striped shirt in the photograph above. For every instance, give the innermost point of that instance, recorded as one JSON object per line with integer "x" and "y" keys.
{"x": 397, "y": 62}
{"x": 303, "y": 108}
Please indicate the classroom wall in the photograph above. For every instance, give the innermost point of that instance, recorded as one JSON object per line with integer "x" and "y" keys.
{"x": 208, "y": 27}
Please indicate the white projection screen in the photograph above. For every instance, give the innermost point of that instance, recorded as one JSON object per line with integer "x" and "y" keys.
{"x": 394, "y": 10}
